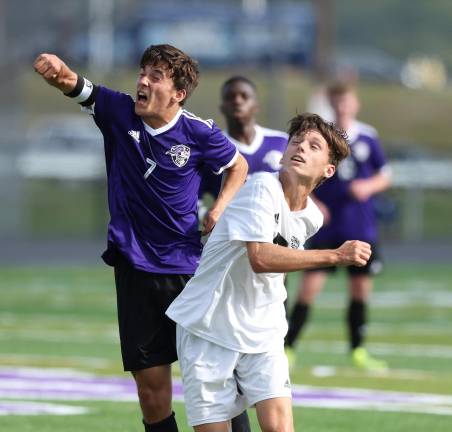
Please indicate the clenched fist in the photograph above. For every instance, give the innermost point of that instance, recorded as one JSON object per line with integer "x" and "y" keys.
{"x": 55, "y": 72}
{"x": 354, "y": 252}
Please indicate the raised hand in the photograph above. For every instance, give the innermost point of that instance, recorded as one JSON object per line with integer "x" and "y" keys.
{"x": 55, "y": 72}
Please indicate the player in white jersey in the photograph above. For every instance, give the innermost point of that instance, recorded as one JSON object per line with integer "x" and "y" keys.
{"x": 230, "y": 317}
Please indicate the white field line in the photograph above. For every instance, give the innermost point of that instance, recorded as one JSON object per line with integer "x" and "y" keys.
{"x": 440, "y": 298}
{"x": 426, "y": 329}
{"x": 402, "y": 350}
{"x": 29, "y": 383}
{"x": 38, "y": 408}
{"x": 73, "y": 361}
{"x": 66, "y": 335}
{"x": 321, "y": 371}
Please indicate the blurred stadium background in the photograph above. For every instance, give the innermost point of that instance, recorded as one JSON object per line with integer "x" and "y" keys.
{"x": 52, "y": 185}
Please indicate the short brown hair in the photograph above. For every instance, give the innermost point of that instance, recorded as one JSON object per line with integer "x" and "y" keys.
{"x": 334, "y": 136}
{"x": 184, "y": 70}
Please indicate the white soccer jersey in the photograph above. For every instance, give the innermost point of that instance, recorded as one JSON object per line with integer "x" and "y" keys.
{"x": 226, "y": 302}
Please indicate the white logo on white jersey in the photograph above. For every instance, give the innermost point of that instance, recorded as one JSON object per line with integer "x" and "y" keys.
{"x": 135, "y": 135}
{"x": 179, "y": 154}
{"x": 294, "y": 242}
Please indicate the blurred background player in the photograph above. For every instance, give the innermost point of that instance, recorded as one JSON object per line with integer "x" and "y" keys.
{"x": 261, "y": 147}
{"x": 347, "y": 204}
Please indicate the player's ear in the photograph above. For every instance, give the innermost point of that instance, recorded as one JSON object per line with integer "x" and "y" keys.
{"x": 180, "y": 95}
{"x": 329, "y": 171}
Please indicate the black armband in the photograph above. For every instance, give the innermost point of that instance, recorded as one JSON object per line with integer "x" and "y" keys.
{"x": 84, "y": 91}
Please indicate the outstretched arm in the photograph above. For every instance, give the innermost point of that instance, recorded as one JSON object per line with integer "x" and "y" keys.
{"x": 271, "y": 258}
{"x": 56, "y": 72}
{"x": 235, "y": 177}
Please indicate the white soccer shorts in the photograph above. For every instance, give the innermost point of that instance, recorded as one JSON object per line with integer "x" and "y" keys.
{"x": 220, "y": 383}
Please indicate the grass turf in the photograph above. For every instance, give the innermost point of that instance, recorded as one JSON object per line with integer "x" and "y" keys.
{"x": 65, "y": 317}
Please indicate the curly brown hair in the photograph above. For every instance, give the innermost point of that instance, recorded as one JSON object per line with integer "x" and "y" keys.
{"x": 183, "y": 69}
{"x": 335, "y": 137}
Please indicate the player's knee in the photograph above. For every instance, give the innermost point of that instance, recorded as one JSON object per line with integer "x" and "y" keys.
{"x": 276, "y": 424}
{"x": 276, "y": 427}
{"x": 307, "y": 296}
{"x": 154, "y": 398}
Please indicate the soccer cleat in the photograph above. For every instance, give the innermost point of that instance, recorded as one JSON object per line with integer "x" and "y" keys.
{"x": 363, "y": 360}
{"x": 291, "y": 356}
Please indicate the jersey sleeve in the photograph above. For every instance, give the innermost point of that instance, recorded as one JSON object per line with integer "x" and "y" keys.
{"x": 219, "y": 152}
{"x": 92, "y": 98}
{"x": 210, "y": 183}
{"x": 251, "y": 214}
{"x": 110, "y": 107}
{"x": 315, "y": 219}
{"x": 377, "y": 156}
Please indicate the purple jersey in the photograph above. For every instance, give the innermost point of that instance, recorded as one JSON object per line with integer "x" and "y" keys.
{"x": 263, "y": 154}
{"x": 153, "y": 182}
{"x": 266, "y": 150}
{"x": 352, "y": 219}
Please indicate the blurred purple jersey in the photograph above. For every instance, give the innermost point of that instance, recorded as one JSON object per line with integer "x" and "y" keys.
{"x": 153, "y": 182}
{"x": 352, "y": 219}
{"x": 263, "y": 154}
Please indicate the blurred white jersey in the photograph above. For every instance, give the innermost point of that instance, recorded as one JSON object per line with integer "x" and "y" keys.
{"x": 226, "y": 302}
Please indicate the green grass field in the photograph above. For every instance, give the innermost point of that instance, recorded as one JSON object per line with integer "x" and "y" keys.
{"x": 65, "y": 318}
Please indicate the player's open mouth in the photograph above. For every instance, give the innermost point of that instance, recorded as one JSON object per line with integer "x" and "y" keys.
{"x": 298, "y": 158}
{"x": 141, "y": 97}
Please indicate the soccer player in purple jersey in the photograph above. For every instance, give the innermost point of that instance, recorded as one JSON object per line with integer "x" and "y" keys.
{"x": 261, "y": 147}
{"x": 155, "y": 152}
{"x": 346, "y": 201}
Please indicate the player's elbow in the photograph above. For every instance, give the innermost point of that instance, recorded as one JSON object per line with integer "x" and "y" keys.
{"x": 240, "y": 167}
{"x": 256, "y": 259}
{"x": 258, "y": 266}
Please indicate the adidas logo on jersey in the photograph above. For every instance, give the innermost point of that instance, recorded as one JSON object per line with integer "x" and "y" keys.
{"x": 135, "y": 135}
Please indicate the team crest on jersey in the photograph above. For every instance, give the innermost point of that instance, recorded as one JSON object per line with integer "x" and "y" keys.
{"x": 180, "y": 154}
{"x": 294, "y": 242}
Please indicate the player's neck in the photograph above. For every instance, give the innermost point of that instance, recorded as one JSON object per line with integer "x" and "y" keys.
{"x": 244, "y": 133}
{"x": 160, "y": 119}
{"x": 296, "y": 192}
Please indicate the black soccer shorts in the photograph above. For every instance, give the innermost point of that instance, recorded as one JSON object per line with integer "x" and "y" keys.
{"x": 147, "y": 335}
